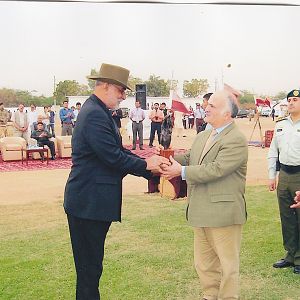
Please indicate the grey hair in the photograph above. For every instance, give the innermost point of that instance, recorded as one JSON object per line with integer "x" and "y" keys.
{"x": 232, "y": 106}
{"x": 98, "y": 82}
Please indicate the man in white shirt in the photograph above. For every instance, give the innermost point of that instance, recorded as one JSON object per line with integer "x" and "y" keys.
{"x": 199, "y": 116}
{"x": 76, "y": 111}
{"x": 137, "y": 116}
{"x": 32, "y": 117}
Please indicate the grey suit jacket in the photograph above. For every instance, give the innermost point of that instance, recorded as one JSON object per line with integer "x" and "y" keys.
{"x": 216, "y": 182}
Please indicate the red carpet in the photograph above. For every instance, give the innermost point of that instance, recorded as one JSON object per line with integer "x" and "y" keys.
{"x": 63, "y": 163}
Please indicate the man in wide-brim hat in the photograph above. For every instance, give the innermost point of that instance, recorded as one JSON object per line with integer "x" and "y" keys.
{"x": 93, "y": 193}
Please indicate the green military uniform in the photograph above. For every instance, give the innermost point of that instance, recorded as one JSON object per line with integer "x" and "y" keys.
{"x": 4, "y": 117}
{"x": 286, "y": 146}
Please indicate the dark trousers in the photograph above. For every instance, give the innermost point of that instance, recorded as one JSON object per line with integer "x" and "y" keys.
{"x": 137, "y": 129}
{"x": 88, "y": 238}
{"x": 155, "y": 127}
{"x": 184, "y": 123}
{"x": 51, "y": 146}
{"x": 191, "y": 123}
{"x": 51, "y": 129}
{"x": 288, "y": 184}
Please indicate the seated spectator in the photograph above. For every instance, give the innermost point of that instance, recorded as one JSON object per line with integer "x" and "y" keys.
{"x": 40, "y": 119}
{"x": 42, "y": 136}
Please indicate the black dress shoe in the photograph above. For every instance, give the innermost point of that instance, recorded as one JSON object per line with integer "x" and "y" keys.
{"x": 283, "y": 264}
{"x": 297, "y": 269}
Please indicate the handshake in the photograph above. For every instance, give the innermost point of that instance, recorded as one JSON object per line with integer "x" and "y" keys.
{"x": 168, "y": 168}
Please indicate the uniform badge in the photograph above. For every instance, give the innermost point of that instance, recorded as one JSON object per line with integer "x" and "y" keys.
{"x": 296, "y": 93}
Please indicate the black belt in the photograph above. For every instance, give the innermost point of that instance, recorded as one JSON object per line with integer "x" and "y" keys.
{"x": 290, "y": 169}
{"x": 67, "y": 123}
{"x": 137, "y": 122}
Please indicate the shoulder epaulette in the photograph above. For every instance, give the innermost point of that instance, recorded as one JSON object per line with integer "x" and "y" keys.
{"x": 281, "y": 119}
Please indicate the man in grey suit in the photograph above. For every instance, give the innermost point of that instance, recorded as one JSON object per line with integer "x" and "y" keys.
{"x": 215, "y": 171}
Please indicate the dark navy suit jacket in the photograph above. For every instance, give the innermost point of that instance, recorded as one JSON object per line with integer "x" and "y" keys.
{"x": 94, "y": 187}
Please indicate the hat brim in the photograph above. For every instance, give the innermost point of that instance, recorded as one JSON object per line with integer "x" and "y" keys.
{"x": 108, "y": 80}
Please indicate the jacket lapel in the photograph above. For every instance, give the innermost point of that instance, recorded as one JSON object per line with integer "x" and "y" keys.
{"x": 217, "y": 138}
{"x": 200, "y": 143}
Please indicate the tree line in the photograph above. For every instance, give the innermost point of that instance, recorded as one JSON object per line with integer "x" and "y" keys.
{"x": 156, "y": 87}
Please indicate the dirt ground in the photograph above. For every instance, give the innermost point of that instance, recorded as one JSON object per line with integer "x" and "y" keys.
{"x": 36, "y": 186}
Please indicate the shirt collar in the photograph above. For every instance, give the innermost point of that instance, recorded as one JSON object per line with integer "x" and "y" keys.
{"x": 220, "y": 129}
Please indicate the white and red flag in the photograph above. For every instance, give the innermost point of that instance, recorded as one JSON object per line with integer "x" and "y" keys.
{"x": 177, "y": 104}
{"x": 262, "y": 102}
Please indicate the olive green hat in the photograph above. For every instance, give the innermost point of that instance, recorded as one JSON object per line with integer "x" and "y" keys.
{"x": 112, "y": 74}
{"x": 293, "y": 93}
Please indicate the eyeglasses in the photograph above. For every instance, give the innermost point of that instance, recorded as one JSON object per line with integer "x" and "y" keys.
{"x": 120, "y": 89}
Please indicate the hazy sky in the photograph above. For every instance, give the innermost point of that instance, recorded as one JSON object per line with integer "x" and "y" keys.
{"x": 40, "y": 40}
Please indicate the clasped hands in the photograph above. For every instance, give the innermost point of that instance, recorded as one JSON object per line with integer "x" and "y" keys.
{"x": 297, "y": 200}
{"x": 169, "y": 168}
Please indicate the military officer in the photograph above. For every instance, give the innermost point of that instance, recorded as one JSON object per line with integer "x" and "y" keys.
{"x": 285, "y": 148}
{"x": 4, "y": 117}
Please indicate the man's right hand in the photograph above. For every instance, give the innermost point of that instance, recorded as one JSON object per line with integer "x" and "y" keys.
{"x": 272, "y": 185}
{"x": 155, "y": 162}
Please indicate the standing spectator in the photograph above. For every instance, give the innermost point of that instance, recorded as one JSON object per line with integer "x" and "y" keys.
{"x": 66, "y": 116}
{"x": 199, "y": 116}
{"x": 20, "y": 123}
{"x": 156, "y": 117}
{"x": 32, "y": 115}
{"x": 191, "y": 118}
{"x": 4, "y": 117}
{"x": 273, "y": 114}
{"x": 76, "y": 112}
{"x": 163, "y": 108}
{"x": 117, "y": 115}
{"x": 204, "y": 105}
{"x": 285, "y": 148}
{"x": 184, "y": 120}
{"x": 46, "y": 117}
{"x": 137, "y": 117}
{"x": 51, "y": 121}
{"x": 40, "y": 119}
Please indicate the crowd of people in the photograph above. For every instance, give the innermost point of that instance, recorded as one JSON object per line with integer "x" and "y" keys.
{"x": 38, "y": 127}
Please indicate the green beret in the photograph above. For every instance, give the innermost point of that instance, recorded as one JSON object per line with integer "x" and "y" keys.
{"x": 293, "y": 93}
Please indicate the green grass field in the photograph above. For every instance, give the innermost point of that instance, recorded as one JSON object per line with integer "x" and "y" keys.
{"x": 148, "y": 256}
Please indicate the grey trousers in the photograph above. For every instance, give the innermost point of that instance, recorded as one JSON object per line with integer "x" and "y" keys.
{"x": 67, "y": 129}
{"x": 137, "y": 129}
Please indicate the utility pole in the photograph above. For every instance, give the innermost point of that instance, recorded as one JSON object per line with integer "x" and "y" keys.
{"x": 54, "y": 88}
